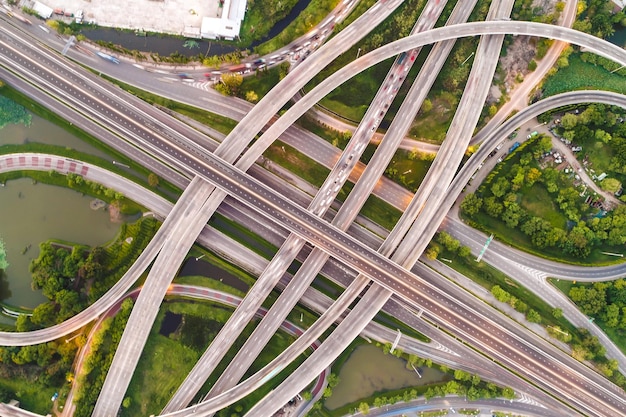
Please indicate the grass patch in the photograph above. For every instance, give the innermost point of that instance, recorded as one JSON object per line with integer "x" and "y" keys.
{"x": 352, "y": 98}
{"x": 163, "y": 366}
{"x": 311, "y": 16}
{"x": 538, "y": 202}
{"x": 220, "y": 123}
{"x": 32, "y": 396}
{"x": 487, "y": 276}
{"x": 580, "y": 75}
{"x": 433, "y": 126}
{"x": 380, "y": 212}
{"x": 261, "y": 17}
{"x": 243, "y": 235}
{"x": 297, "y": 162}
{"x": 262, "y": 82}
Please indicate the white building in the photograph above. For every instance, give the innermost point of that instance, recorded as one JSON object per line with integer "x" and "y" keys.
{"x": 42, "y": 10}
{"x": 227, "y": 26}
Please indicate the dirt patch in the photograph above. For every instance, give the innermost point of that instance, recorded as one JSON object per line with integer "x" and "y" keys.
{"x": 515, "y": 63}
{"x": 115, "y": 215}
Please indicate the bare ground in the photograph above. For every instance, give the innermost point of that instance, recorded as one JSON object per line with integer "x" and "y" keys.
{"x": 521, "y": 52}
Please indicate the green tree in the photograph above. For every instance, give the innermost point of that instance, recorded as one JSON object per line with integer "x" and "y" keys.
{"x": 251, "y": 96}
{"x": 500, "y": 187}
{"x": 508, "y": 393}
{"x": 569, "y": 121}
{"x": 611, "y": 184}
{"x": 500, "y": 294}
{"x": 44, "y": 314}
{"x": 153, "y": 180}
{"x": 471, "y": 204}
{"x": 464, "y": 251}
{"x": 590, "y": 301}
{"x": 427, "y": 106}
{"x": 557, "y": 313}
{"x": 533, "y": 316}
{"x": 432, "y": 252}
{"x": 364, "y": 408}
{"x": 127, "y": 402}
{"x": 493, "y": 207}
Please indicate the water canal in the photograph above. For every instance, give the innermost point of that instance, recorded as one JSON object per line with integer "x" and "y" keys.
{"x": 166, "y": 45}
{"x": 368, "y": 370}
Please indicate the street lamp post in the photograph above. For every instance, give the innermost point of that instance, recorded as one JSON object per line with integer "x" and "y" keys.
{"x": 467, "y": 59}
{"x": 358, "y": 53}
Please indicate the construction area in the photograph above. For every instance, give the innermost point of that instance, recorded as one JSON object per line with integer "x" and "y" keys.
{"x": 190, "y": 18}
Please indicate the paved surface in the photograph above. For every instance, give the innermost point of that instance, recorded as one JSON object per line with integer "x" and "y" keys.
{"x": 168, "y": 16}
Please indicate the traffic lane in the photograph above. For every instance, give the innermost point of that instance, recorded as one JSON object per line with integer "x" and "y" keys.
{"x": 371, "y": 268}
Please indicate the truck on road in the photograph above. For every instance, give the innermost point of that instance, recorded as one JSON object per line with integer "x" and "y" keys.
{"x": 514, "y": 147}
{"x": 108, "y": 57}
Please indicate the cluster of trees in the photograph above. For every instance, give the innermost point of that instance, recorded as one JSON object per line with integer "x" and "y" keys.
{"x": 603, "y": 300}
{"x": 463, "y": 383}
{"x": 77, "y": 181}
{"x": 501, "y": 195}
{"x": 503, "y": 296}
{"x": 469, "y": 385}
{"x": 527, "y": 10}
{"x": 47, "y": 364}
{"x": 398, "y": 26}
{"x": 599, "y": 125}
{"x": 598, "y": 18}
{"x": 447, "y": 242}
{"x": 230, "y": 84}
{"x": 605, "y": 63}
{"x": 62, "y": 274}
{"x": 95, "y": 367}
{"x": 216, "y": 61}
{"x": 12, "y": 113}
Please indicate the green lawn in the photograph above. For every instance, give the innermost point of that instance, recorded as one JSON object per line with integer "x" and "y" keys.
{"x": 433, "y": 126}
{"x": 32, "y": 396}
{"x": 538, "y": 202}
{"x": 217, "y": 122}
{"x": 488, "y": 276}
{"x": 297, "y": 162}
{"x": 262, "y": 82}
{"x": 380, "y": 212}
{"x": 162, "y": 368}
{"x": 352, "y": 98}
{"x": 580, "y": 75}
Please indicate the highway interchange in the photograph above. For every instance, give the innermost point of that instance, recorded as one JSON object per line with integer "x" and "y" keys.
{"x": 299, "y": 228}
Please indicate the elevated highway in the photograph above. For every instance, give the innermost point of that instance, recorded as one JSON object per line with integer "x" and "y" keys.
{"x": 534, "y": 33}
{"x": 314, "y": 262}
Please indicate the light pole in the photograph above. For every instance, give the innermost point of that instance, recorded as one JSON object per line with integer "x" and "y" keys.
{"x": 200, "y": 257}
{"x": 467, "y": 59}
{"x": 120, "y": 164}
{"x": 358, "y": 53}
